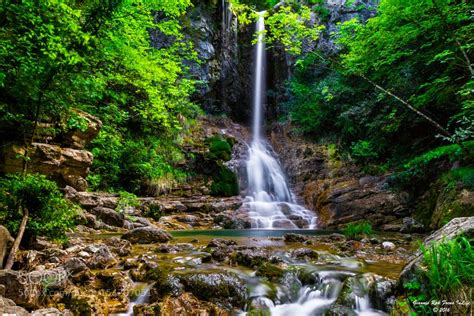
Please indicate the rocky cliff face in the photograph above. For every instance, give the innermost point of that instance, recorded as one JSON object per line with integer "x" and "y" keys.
{"x": 223, "y": 48}
{"x": 337, "y": 191}
{"x": 63, "y": 158}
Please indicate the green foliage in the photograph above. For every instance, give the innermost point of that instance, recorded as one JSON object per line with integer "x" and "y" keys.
{"x": 224, "y": 182}
{"x": 219, "y": 148}
{"x": 288, "y": 27}
{"x": 418, "y": 168}
{"x": 126, "y": 200}
{"x": 448, "y": 267}
{"x": 416, "y": 50}
{"x": 96, "y": 56}
{"x": 465, "y": 175}
{"x": 358, "y": 230}
{"x": 49, "y": 213}
{"x": 363, "y": 150}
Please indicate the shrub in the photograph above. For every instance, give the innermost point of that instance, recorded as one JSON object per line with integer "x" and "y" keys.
{"x": 450, "y": 265}
{"x": 448, "y": 268}
{"x": 224, "y": 183}
{"x": 49, "y": 213}
{"x": 357, "y": 230}
{"x": 126, "y": 200}
{"x": 364, "y": 150}
{"x": 219, "y": 148}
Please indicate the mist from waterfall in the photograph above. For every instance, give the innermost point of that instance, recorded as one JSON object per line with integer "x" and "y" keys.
{"x": 269, "y": 197}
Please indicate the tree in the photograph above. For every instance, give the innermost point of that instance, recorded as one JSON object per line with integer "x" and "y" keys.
{"x": 35, "y": 204}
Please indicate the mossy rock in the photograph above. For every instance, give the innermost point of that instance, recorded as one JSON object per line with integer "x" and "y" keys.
{"x": 271, "y": 271}
{"x": 225, "y": 289}
{"x": 220, "y": 148}
{"x": 224, "y": 183}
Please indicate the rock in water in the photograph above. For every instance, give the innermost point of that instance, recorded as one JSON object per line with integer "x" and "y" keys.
{"x": 5, "y": 241}
{"x": 147, "y": 235}
{"x": 223, "y": 288}
{"x": 109, "y": 216}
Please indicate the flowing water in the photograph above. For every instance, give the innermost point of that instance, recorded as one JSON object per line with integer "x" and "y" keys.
{"x": 271, "y": 203}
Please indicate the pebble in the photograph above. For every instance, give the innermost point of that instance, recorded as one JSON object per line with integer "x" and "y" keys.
{"x": 388, "y": 245}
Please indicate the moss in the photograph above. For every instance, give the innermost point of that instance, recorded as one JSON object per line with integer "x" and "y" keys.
{"x": 220, "y": 148}
{"x": 270, "y": 271}
{"x": 224, "y": 183}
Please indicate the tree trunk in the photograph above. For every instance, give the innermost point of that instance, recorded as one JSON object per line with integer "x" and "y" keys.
{"x": 16, "y": 243}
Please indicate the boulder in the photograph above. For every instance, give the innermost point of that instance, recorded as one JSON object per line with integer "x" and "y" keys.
{"x": 75, "y": 265}
{"x": 166, "y": 286}
{"x": 188, "y": 304}
{"x": 90, "y": 200}
{"x": 225, "y": 289}
{"x": 19, "y": 288}
{"x": 147, "y": 235}
{"x": 304, "y": 253}
{"x": 108, "y": 216}
{"x": 291, "y": 237}
{"x": 8, "y": 307}
{"x": 251, "y": 257}
{"x": 121, "y": 247}
{"x": 67, "y": 165}
{"x": 5, "y": 241}
{"x": 101, "y": 256}
{"x": 78, "y": 138}
{"x": 51, "y": 312}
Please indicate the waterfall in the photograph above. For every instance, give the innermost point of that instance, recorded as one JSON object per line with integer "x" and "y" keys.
{"x": 269, "y": 198}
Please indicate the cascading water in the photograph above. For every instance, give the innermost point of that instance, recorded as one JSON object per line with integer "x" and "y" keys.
{"x": 269, "y": 197}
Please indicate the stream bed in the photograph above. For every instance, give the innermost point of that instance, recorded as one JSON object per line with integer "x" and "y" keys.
{"x": 264, "y": 272}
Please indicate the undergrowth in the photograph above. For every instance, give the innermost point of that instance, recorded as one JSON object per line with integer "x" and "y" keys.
{"x": 358, "y": 230}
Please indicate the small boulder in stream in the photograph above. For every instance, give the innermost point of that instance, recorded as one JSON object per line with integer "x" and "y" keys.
{"x": 225, "y": 289}
{"x": 147, "y": 235}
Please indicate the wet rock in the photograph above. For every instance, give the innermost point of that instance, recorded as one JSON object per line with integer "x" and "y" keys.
{"x": 51, "y": 312}
{"x": 410, "y": 225}
{"x": 108, "y": 216}
{"x": 19, "y": 288}
{"x": 84, "y": 302}
{"x": 223, "y": 288}
{"x": 290, "y": 287}
{"x": 270, "y": 271}
{"x": 147, "y": 309}
{"x": 221, "y": 242}
{"x": 75, "y": 265}
{"x": 291, "y": 237}
{"x": 186, "y": 304}
{"x": 164, "y": 286}
{"x": 336, "y": 190}
{"x": 121, "y": 247}
{"x": 252, "y": 257}
{"x": 8, "y": 307}
{"x": 5, "y": 242}
{"x": 229, "y": 221}
{"x": 388, "y": 245}
{"x": 188, "y": 219}
{"x": 340, "y": 310}
{"x": 147, "y": 235}
{"x": 101, "y": 256}
{"x": 304, "y": 253}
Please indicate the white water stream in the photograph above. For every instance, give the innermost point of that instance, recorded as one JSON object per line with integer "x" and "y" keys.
{"x": 270, "y": 200}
